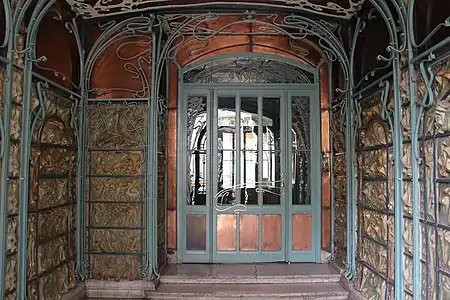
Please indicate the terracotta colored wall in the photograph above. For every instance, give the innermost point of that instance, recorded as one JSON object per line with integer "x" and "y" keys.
{"x": 59, "y": 47}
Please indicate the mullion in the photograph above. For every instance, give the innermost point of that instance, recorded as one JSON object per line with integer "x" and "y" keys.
{"x": 237, "y": 165}
{"x": 260, "y": 149}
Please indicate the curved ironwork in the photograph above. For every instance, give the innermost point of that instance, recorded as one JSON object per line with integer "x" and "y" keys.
{"x": 136, "y": 30}
{"x": 410, "y": 22}
{"x": 221, "y": 206}
{"x": 395, "y": 49}
{"x": 12, "y": 17}
{"x": 29, "y": 119}
{"x": 100, "y": 8}
{"x": 301, "y": 26}
{"x": 304, "y": 27}
{"x": 403, "y": 31}
{"x": 39, "y": 11}
{"x": 72, "y": 28}
{"x": 247, "y": 70}
{"x": 15, "y": 18}
{"x": 182, "y": 29}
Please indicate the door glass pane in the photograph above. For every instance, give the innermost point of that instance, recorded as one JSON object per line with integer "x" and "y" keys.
{"x": 272, "y": 186}
{"x": 249, "y": 177}
{"x": 271, "y": 170}
{"x": 226, "y": 144}
{"x": 301, "y": 154}
{"x": 196, "y": 150}
{"x": 249, "y": 147}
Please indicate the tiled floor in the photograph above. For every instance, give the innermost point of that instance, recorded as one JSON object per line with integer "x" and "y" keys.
{"x": 257, "y": 270}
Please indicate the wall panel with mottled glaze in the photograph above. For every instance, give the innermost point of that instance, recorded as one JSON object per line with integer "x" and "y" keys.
{"x": 375, "y": 254}
{"x": 13, "y": 177}
{"x": 376, "y": 194}
{"x": 434, "y": 191}
{"x": 51, "y": 217}
{"x": 116, "y": 193}
{"x": 340, "y": 193}
{"x": 51, "y": 240}
{"x": 51, "y": 204}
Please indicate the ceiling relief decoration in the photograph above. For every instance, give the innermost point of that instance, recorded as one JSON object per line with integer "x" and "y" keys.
{"x": 89, "y": 9}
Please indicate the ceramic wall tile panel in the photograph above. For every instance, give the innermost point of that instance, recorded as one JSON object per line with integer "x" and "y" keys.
{"x": 116, "y": 141}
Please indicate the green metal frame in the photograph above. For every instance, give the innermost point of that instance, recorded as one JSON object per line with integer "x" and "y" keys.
{"x": 14, "y": 19}
{"x": 398, "y": 18}
{"x": 10, "y": 40}
{"x": 285, "y": 209}
{"x": 42, "y": 7}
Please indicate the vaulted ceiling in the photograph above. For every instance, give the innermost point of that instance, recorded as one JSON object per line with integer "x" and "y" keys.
{"x": 88, "y": 9}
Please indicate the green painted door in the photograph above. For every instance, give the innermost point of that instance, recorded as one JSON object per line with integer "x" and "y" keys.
{"x": 248, "y": 174}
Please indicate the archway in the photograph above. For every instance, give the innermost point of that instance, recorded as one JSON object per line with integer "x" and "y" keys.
{"x": 248, "y": 170}
{"x": 189, "y": 48}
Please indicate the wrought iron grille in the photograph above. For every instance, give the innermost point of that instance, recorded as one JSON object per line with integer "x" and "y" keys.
{"x": 116, "y": 193}
{"x": 247, "y": 70}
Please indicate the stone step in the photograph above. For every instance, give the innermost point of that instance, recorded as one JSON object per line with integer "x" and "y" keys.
{"x": 254, "y": 279}
{"x": 313, "y": 291}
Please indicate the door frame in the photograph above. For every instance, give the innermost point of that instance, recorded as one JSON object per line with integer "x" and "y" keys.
{"x": 285, "y": 92}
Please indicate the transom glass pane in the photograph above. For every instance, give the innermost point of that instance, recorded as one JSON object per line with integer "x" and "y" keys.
{"x": 248, "y": 70}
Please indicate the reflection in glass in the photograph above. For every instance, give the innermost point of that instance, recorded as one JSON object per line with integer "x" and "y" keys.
{"x": 301, "y": 156}
{"x": 196, "y": 152}
{"x": 226, "y": 144}
{"x": 249, "y": 147}
{"x": 249, "y": 123}
{"x": 258, "y": 145}
{"x": 271, "y": 169}
{"x": 271, "y": 181}
{"x": 249, "y": 176}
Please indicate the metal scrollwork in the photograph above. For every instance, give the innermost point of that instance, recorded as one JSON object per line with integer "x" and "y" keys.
{"x": 183, "y": 29}
{"x": 386, "y": 112}
{"x": 196, "y": 105}
{"x": 248, "y": 70}
{"x": 116, "y": 125}
{"x": 133, "y": 31}
{"x": 277, "y": 188}
{"x": 39, "y": 112}
{"x": 101, "y": 8}
{"x": 162, "y": 113}
{"x": 300, "y": 121}
{"x": 444, "y": 24}
{"x": 72, "y": 28}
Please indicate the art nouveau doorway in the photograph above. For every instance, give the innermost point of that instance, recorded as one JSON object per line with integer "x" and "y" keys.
{"x": 249, "y": 161}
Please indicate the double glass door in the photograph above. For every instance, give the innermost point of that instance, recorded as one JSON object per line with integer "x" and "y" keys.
{"x": 246, "y": 170}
